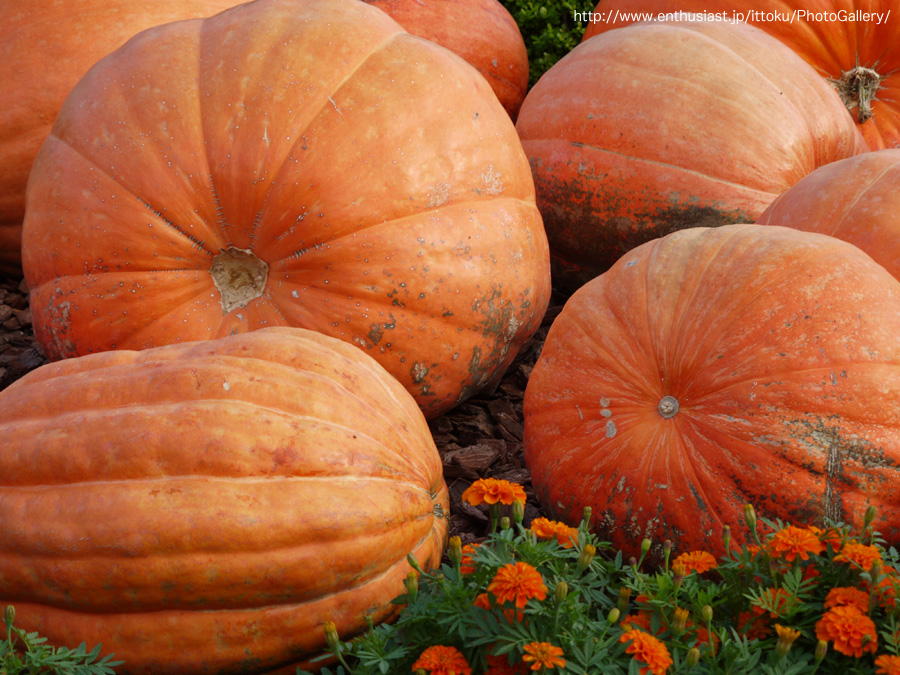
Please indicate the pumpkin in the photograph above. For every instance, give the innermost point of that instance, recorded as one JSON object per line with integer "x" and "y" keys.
{"x": 205, "y": 507}
{"x": 646, "y": 130}
{"x": 45, "y": 48}
{"x": 219, "y": 176}
{"x": 483, "y": 32}
{"x": 855, "y": 46}
{"x": 716, "y": 367}
{"x": 855, "y": 199}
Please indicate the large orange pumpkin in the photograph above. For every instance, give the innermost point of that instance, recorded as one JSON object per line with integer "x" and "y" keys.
{"x": 304, "y": 163}
{"x": 656, "y": 127}
{"x": 483, "y": 32}
{"x": 45, "y": 48}
{"x": 205, "y": 507}
{"x": 856, "y": 199}
{"x": 853, "y": 44}
{"x": 717, "y": 367}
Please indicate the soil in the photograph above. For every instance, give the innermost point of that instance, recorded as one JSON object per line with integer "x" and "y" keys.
{"x": 480, "y": 438}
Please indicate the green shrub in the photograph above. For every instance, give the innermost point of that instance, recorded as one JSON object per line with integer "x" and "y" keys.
{"x": 549, "y": 29}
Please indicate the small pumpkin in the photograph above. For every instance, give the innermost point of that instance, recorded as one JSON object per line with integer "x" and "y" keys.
{"x": 483, "y": 32}
{"x": 656, "y": 127}
{"x": 305, "y": 163}
{"x": 854, "y": 46}
{"x": 45, "y": 48}
{"x": 205, "y": 507}
{"x": 716, "y": 367}
{"x": 855, "y": 199}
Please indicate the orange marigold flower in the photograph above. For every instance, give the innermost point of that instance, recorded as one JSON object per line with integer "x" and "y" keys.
{"x": 794, "y": 541}
{"x": 696, "y": 561}
{"x": 441, "y": 660}
{"x": 544, "y": 528}
{"x": 841, "y": 596}
{"x": 886, "y": 589}
{"x": 493, "y": 491}
{"x": 518, "y": 582}
{"x": 887, "y": 664}
{"x": 483, "y": 601}
{"x": 829, "y": 536}
{"x": 632, "y": 621}
{"x": 858, "y": 554}
{"x": 466, "y": 566}
{"x": 753, "y": 626}
{"x": 500, "y": 665}
{"x": 543, "y": 655}
{"x": 703, "y": 636}
{"x": 852, "y": 632}
{"x": 647, "y": 649}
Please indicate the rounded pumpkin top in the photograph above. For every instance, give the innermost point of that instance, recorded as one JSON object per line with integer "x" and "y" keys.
{"x": 716, "y": 367}
{"x": 289, "y": 163}
{"x": 854, "y": 45}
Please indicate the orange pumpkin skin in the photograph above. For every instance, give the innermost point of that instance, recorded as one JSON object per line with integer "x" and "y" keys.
{"x": 205, "y": 507}
{"x": 220, "y": 176}
{"x": 483, "y": 32}
{"x": 779, "y": 348}
{"x": 658, "y": 127}
{"x": 859, "y": 56}
{"x": 855, "y": 199}
{"x": 45, "y": 48}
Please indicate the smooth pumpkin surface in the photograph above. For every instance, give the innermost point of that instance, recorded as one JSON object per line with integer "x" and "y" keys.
{"x": 717, "y": 367}
{"x": 46, "y": 46}
{"x": 856, "y": 199}
{"x": 219, "y": 176}
{"x": 653, "y": 128}
{"x": 847, "y": 43}
{"x": 205, "y": 507}
{"x": 483, "y": 32}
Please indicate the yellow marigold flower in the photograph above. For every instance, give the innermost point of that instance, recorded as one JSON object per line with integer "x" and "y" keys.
{"x": 794, "y": 541}
{"x": 466, "y": 565}
{"x": 858, "y": 554}
{"x": 696, "y": 561}
{"x": 518, "y": 582}
{"x": 679, "y": 620}
{"x": 543, "y": 655}
{"x": 847, "y": 595}
{"x": 647, "y": 649}
{"x": 441, "y": 660}
{"x": 887, "y": 664}
{"x": 544, "y": 528}
{"x": 786, "y": 637}
{"x": 852, "y": 632}
{"x": 493, "y": 491}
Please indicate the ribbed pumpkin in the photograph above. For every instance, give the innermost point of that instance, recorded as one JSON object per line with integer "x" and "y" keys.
{"x": 304, "y": 163}
{"x": 205, "y": 507}
{"x": 853, "y": 44}
{"x": 46, "y": 46}
{"x": 717, "y": 367}
{"x": 656, "y": 127}
{"x": 483, "y": 32}
{"x": 856, "y": 199}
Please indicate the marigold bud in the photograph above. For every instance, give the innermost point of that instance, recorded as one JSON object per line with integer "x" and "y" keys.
{"x": 679, "y": 622}
{"x": 562, "y": 590}
{"x": 869, "y": 518}
{"x": 454, "y": 550}
{"x": 750, "y": 517}
{"x": 624, "y": 598}
{"x": 586, "y": 557}
{"x": 692, "y": 658}
{"x": 518, "y": 511}
{"x": 678, "y": 572}
{"x": 706, "y": 613}
{"x": 412, "y": 584}
{"x": 10, "y": 615}
{"x": 504, "y": 523}
{"x": 411, "y": 559}
{"x": 821, "y": 650}
{"x": 632, "y": 562}
{"x": 586, "y": 515}
{"x": 645, "y": 546}
{"x": 613, "y": 616}
{"x": 875, "y": 571}
{"x": 726, "y": 538}
{"x": 331, "y": 636}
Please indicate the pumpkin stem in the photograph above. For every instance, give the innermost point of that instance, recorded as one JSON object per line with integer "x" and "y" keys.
{"x": 239, "y": 276}
{"x": 668, "y": 406}
{"x": 857, "y": 88}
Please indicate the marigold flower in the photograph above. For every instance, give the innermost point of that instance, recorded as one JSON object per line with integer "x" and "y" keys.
{"x": 483, "y": 601}
{"x": 887, "y": 664}
{"x": 441, "y": 660}
{"x": 544, "y": 528}
{"x": 852, "y": 632}
{"x": 786, "y": 637}
{"x": 858, "y": 554}
{"x": 753, "y": 625}
{"x": 886, "y": 589}
{"x": 647, "y": 649}
{"x": 493, "y": 491}
{"x": 679, "y": 620}
{"x": 793, "y": 542}
{"x": 466, "y": 565}
{"x": 703, "y": 637}
{"x": 696, "y": 561}
{"x": 830, "y": 536}
{"x": 847, "y": 595}
{"x": 543, "y": 655}
{"x": 632, "y": 621}
{"x": 500, "y": 665}
{"x": 518, "y": 582}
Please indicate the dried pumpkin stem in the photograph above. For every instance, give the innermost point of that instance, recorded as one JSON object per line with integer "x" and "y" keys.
{"x": 857, "y": 88}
